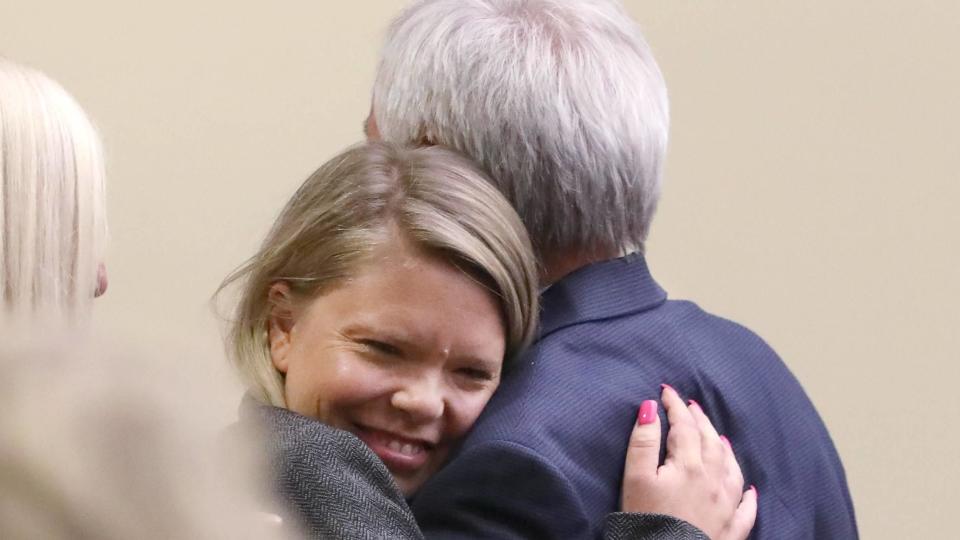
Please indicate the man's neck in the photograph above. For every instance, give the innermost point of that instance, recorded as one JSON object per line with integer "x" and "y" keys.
{"x": 561, "y": 264}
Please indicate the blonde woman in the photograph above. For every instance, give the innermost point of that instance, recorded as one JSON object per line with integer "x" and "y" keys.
{"x": 375, "y": 323}
{"x": 53, "y": 223}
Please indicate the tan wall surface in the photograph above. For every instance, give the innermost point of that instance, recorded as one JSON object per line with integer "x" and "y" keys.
{"x": 811, "y": 185}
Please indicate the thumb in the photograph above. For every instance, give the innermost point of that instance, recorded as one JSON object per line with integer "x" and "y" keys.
{"x": 643, "y": 453}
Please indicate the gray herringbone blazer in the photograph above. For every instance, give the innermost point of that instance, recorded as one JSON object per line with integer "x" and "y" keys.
{"x": 336, "y": 488}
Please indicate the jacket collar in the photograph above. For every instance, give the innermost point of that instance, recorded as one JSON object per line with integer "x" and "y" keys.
{"x": 600, "y": 291}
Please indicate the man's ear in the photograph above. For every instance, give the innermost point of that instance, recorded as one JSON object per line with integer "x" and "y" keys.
{"x": 426, "y": 138}
{"x": 280, "y": 324}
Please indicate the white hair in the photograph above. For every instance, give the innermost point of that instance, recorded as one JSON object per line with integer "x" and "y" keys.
{"x": 560, "y": 101}
{"x": 52, "y": 203}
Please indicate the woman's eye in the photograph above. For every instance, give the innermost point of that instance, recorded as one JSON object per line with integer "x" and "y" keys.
{"x": 380, "y": 347}
{"x": 476, "y": 374}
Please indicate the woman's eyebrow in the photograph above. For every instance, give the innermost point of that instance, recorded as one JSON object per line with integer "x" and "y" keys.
{"x": 477, "y": 361}
{"x": 393, "y": 335}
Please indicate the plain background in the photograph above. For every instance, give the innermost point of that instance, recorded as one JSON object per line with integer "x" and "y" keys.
{"x": 811, "y": 186}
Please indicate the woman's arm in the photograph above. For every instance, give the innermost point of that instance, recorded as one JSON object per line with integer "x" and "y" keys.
{"x": 319, "y": 469}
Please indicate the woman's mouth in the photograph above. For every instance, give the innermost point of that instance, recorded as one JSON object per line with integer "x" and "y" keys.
{"x": 399, "y": 454}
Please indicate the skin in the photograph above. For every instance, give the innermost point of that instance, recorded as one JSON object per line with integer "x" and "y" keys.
{"x": 700, "y": 480}
{"x": 102, "y": 281}
{"x": 370, "y": 127}
{"x": 404, "y": 355}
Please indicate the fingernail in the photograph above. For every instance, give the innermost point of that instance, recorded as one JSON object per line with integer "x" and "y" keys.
{"x": 726, "y": 441}
{"x": 664, "y": 385}
{"x": 755, "y": 492}
{"x": 648, "y": 412}
{"x": 695, "y": 404}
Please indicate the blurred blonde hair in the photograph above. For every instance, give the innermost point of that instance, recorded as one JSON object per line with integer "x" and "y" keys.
{"x": 53, "y": 224}
{"x": 438, "y": 200}
{"x": 101, "y": 442}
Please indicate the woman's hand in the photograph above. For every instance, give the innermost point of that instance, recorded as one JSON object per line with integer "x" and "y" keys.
{"x": 700, "y": 481}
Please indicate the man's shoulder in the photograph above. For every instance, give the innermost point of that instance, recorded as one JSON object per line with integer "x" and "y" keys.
{"x": 690, "y": 322}
{"x": 668, "y": 318}
{"x": 584, "y": 381}
{"x": 675, "y": 332}
{"x": 618, "y": 299}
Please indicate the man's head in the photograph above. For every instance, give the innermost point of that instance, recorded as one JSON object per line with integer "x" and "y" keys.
{"x": 560, "y": 101}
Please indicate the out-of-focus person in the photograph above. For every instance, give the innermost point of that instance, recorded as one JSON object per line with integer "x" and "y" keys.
{"x": 95, "y": 441}
{"x": 101, "y": 440}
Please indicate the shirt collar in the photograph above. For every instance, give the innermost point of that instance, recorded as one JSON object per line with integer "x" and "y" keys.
{"x": 599, "y": 291}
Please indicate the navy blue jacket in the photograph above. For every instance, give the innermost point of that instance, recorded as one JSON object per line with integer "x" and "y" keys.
{"x": 545, "y": 458}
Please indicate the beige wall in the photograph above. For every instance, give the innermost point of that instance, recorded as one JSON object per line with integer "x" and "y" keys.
{"x": 810, "y": 189}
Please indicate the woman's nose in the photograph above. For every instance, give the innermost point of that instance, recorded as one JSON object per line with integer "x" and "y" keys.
{"x": 421, "y": 398}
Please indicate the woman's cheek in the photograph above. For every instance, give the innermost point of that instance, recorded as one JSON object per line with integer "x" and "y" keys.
{"x": 466, "y": 408}
{"x": 356, "y": 378}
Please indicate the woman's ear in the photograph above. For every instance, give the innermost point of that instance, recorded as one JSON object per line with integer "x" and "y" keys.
{"x": 280, "y": 325}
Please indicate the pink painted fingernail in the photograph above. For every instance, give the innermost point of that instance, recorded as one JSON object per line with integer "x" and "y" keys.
{"x": 755, "y": 492}
{"x": 665, "y": 385}
{"x": 695, "y": 404}
{"x": 648, "y": 412}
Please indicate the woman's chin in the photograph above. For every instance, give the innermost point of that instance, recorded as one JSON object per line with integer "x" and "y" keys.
{"x": 408, "y": 462}
{"x": 408, "y": 483}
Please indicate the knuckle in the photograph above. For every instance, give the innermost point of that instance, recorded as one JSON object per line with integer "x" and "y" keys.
{"x": 735, "y": 481}
{"x": 694, "y": 469}
{"x": 683, "y": 429}
{"x": 715, "y": 456}
{"x": 674, "y": 437}
{"x": 644, "y": 443}
{"x": 715, "y": 444}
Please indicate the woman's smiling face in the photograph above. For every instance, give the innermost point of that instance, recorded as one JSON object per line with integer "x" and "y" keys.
{"x": 405, "y": 355}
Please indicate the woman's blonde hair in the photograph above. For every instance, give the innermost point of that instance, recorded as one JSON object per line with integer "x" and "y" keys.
{"x": 52, "y": 204}
{"x": 436, "y": 199}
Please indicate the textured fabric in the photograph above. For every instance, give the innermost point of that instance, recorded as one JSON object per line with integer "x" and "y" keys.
{"x": 332, "y": 483}
{"x": 650, "y": 527}
{"x": 336, "y": 488}
{"x": 545, "y": 458}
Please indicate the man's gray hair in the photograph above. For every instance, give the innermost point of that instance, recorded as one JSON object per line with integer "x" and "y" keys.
{"x": 560, "y": 101}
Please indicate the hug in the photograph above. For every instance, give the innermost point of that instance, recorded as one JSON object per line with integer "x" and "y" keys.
{"x": 451, "y": 330}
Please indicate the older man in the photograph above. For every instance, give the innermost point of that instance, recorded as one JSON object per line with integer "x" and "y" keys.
{"x": 562, "y": 102}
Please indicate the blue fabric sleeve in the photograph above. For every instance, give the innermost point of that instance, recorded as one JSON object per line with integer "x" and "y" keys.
{"x": 500, "y": 489}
